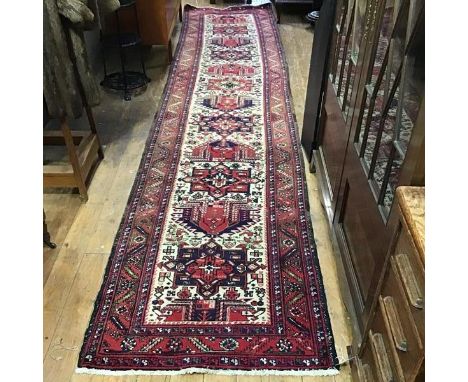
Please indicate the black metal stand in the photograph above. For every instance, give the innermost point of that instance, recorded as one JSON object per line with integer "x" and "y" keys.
{"x": 125, "y": 81}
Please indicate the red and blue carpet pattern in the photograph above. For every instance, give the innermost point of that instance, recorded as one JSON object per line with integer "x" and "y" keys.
{"x": 214, "y": 266}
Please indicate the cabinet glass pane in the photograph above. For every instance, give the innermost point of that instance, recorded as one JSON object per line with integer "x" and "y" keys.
{"x": 391, "y": 38}
{"x": 413, "y": 90}
{"x": 341, "y": 11}
{"x": 343, "y": 22}
{"x": 412, "y": 85}
{"x": 359, "y": 22}
{"x": 393, "y": 179}
{"x": 348, "y": 37}
{"x": 388, "y": 21}
{"x": 392, "y": 96}
{"x": 385, "y": 140}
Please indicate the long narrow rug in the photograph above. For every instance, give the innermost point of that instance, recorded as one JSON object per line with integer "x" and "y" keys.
{"x": 214, "y": 267}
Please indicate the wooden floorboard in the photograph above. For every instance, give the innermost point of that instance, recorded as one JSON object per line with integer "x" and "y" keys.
{"x": 60, "y": 358}
{"x": 84, "y": 233}
{"x": 59, "y": 220}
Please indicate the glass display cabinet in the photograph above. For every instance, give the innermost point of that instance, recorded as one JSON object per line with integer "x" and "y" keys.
{"x": 394, "y": 88}
{"x": 370, "y": 136}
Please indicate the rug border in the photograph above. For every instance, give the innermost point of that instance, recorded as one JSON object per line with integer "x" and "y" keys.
{"x": 300, "y": 155}
{"x": 295, "y": 138}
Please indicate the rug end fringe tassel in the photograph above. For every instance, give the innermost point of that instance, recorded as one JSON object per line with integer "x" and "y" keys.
{"x": 195, "y": 370}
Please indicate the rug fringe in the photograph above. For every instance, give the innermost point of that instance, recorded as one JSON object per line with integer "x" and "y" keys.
{"x": 257, "y": 4}
{"x": 197, "y": 370}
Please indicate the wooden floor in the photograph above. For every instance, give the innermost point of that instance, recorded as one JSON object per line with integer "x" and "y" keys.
{"x": 84, "y": 233}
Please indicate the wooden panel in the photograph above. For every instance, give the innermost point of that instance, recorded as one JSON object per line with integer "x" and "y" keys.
{"x": 152, "y": 22}
{"x": 88, "y": 156}
{"x": 388, "y": 368}
{"x": 411, "y": 273}
{"x": 405, "y": 245}
{"x": 411, "y": 203}
{"x": 58, "y": 176}
{"x": 172, "y": 8}
{"x": 361, "y": 233}
{"x": 55, "y": 137}
{"x": 154, "y": 25}
{"x": 63, "y": 175}
{"x": 367, "y": 360}
{"x": 385, "y": 371}
{"x": 357, "y": 240}
{"x": 317, "y": 76}
{"x": 363, "y": 369}
{"x": 334, "y": 138}
{"x": 408, "y": 347}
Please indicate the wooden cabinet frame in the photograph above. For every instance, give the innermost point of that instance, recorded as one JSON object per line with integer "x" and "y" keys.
{"x": 358, "y": 198}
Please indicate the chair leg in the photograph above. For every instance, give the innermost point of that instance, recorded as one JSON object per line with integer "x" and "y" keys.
{"x": 46, "y": 234}
{"x": 169, "y": 51}
{"x": 92, "y": 126}
{"x": 277, "y": 9}
{"x": 71, "y": 148}
{"x": 312, "y": 166}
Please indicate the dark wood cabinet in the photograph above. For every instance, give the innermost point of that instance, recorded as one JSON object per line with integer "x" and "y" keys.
{"x": 369, "y": 137}
{"x": 281, "y": 4}
{"x": 156, "y": 21}
{"x": 394, "y": 347}
{"x": 317, "y": 76}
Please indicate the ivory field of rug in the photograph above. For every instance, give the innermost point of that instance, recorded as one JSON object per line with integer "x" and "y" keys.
{"x": 214, "y": 267}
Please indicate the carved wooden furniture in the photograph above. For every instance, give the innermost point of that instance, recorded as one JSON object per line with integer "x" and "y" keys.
{"x": 368, "y": 137}
{"x": 83, "y": 147}
{"x": 84, "y": 153}
{"x": 394, "y": 348}
{"x": 156, "y": 21}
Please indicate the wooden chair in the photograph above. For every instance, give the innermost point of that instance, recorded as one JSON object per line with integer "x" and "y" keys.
{"x": 84, "y": 154}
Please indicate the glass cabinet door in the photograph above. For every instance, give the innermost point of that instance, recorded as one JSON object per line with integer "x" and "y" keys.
{"x": 350, "y": 18}
{"x": 394, "y": 89}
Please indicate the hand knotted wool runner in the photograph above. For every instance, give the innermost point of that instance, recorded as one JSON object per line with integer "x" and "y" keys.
{"x": 214, "y": 267}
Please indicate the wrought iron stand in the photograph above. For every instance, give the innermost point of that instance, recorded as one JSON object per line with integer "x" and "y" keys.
{"x": 126, "y": 81}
